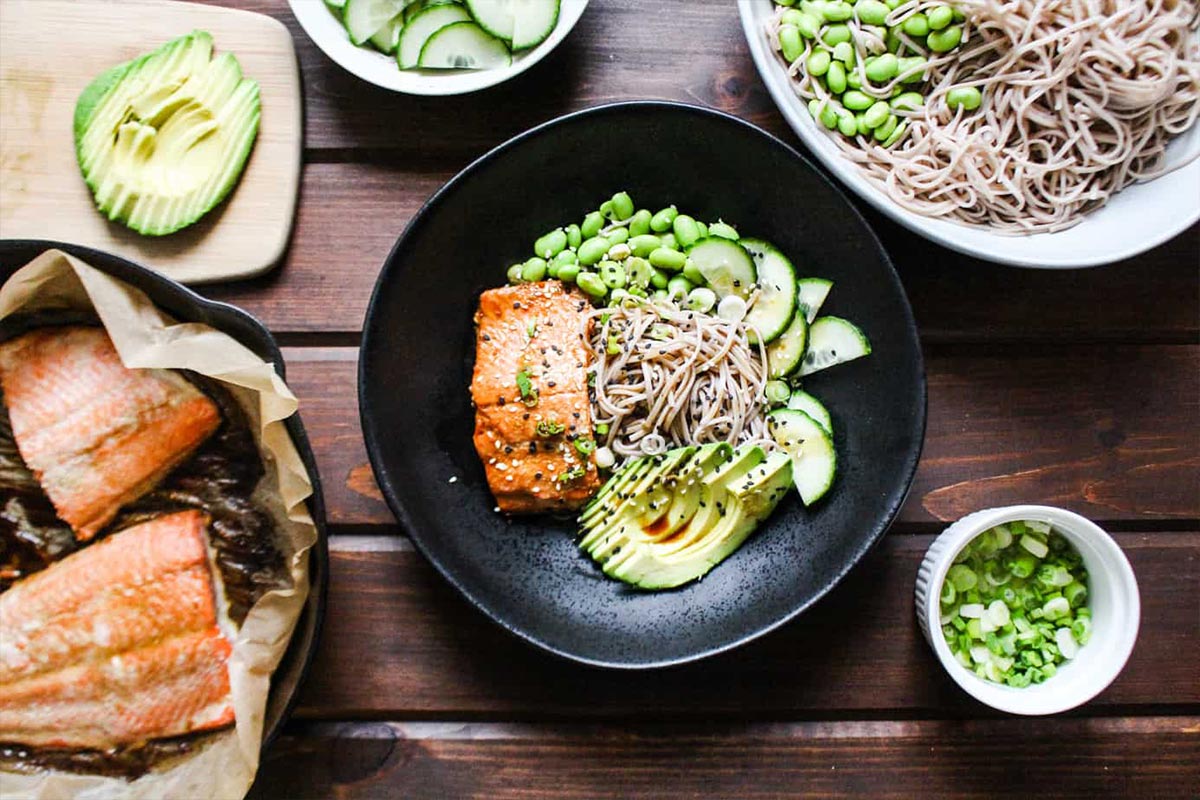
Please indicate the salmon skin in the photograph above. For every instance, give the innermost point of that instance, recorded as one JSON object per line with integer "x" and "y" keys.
{"x": 531, "y": 398}
{"x": 116, "y": 644}
{"x": 96, "y": 434}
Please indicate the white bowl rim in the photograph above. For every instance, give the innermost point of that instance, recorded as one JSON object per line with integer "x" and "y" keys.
{"x": 972, "y": 240}
{"x": 315, "y": 18}
{"x": 1007, "y": 698}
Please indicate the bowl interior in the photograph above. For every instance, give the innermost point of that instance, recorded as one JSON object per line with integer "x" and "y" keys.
{"x": 1112, "y": 597}
{"x": 417, "y": 358}
{"x": 1135, "y": 220}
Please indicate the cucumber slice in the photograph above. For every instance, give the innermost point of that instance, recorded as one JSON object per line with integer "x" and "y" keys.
{"x": 421, "y": 28}
{"x": 464, "y": 45}
{"x": 726, "y": 266}
{"x": 833, "y": 340}
{"x": 414, "y": 8}
{"x": 387, "y": 37}
{"x": 814, "y": 460}
{"x": 803, "y": 401}
{"x": 533, "y": 20}
{"x": 776, "y": 302}
{"x": 494, "y": 16}
{"x": 811, "y": 295}
{"x": 336, "y": 6}
{"x": 364, "y": 18}
{"x": 785, "y": 354}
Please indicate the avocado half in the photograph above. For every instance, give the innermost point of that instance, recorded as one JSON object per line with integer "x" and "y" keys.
{"x": 162, "y": 139}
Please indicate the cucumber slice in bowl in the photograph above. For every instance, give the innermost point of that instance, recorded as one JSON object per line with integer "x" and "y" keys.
{"x": 494, "y": 16}
{"x": 365, "y": 18}
{"x": 785, "y": 354}
{"x": 776, "y": 301}
{"x": 803, "y": 401}
{"x": 464, "y": 45}
{"x": 421, "y": 28}
{"x": 726, "y": 266}
{"x": 811, "y": 294}
{"x": 533, "y": 22}
{"x": 814, "y": 460}
{"x": 387, "y": 38}
{"x": 832, "y": 341}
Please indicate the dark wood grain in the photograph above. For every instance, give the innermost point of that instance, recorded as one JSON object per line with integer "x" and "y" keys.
{"x": 400, "y": 644}
{"x": 1110, "y": 431}
{"x": 1153, "y": 757}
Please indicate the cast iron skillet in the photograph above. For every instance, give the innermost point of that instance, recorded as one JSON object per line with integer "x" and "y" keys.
{"x": 184, "y": 304}
{"x": 418, "y": 348}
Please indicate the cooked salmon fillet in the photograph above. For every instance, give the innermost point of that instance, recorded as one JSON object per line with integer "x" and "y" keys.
{"x": 97, "y": 434}
{"x": 117, "y": 643}
{"x": 533, "y": 330}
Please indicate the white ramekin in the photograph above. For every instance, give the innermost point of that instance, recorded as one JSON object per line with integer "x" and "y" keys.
{"x": 1112, "y": 597}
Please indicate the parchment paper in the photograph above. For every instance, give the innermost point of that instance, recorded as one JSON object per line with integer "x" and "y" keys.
{"x": 146, "y": 337}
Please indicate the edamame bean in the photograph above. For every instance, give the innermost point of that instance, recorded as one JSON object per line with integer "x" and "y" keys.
{"x": 790, "y": 43}
{"x": 913, "y": 68}
{"x": 907, "y": 101}
{"x": 829, "y": 117}
{"x": 567, "y": 273}
{"x": 789, "y": 17}
{"x": 618, "y": 236}
{"x": 702, "y": 228}
{"x": 837, "y": 12}
{"x": 514, "y": 273}
{"x": 855, "y": 101}
{"x": 959, "y": 16}
{"x": 552, "y": 268}
{"x": 574, "y": 236}
{"x": 566, "y": 257}
{"x": 593, "y": 250}
{"x": 844, "y": 52}
{"x": 944, "y": 41}
{"x": 670, "y": 260}
{"x": 660, "y": 295}
{"x": 786, "y": 2}
{"x": 835, "y": 78}
{"x": 701, "y": 299}
{"x": 724, "y": 230}
{"x": 808, "y": 25}
{"x": 680, "y": 286}
{"x": 606, "y": 209}
{"x": 639, "y": 271}
{"x": 815, "y": 107}
{"x": 640, "y": 224}
{"x": 618, "y": 295}
{"x": 860, "y": 124}
{"x": 685, "y": 229}
{"x": 622, "y": 205}
{"x": 818, "y": 63}
{"x": 916, "y": 25}
{"x": 883, "y": 68}
{"x": 877, "y": 114}
{"x": 533, "y": 270}
{"x": 885, "y": 130}
{"x": 896, "y": 134}
{"x": 892, "y": 42}
{"x": 661, "y": 221}
{"x": 592, "y": 224}
{"x": 836, "y": 34}
{"x": 658, "y": 278}
{"x": 892, "y": 4}
{"x": 637, "y": 291}
{"x": 847, "y": 123}
{"x": 613, "y": 274}
{"x": 668, "y": 241}
{"x": 692, "y": 272}
{"x": 590, "y": 282}
{"x": 852, "y": 79}
{"x": 871, "y": 12}
{"x": 968, "y": 97}
{"x": 939, "y": 17}
{"x": 644, "y": 244}
{"x": 551, "y": 244}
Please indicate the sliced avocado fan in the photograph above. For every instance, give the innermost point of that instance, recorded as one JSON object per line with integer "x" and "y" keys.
{"x": 162, "y": 139}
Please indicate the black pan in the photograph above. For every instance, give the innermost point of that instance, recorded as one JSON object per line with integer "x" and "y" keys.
{"x": 418, "y": 350}
{"x": 185, "y": 305}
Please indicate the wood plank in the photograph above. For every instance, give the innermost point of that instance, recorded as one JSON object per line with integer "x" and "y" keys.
{"x": 1154, "y": 757}
{"x": 399, "y": 643}
{"x": 1110, "y": 432}
{"x": 350, "y": 215}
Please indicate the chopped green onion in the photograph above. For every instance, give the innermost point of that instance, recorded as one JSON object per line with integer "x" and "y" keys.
{"x": 963, "y": 577}
{"x": 601, "y": 428}
{"x": 1034, "y": 546}
{"x": 549, "y": 427}
{"x": 572, "y": 475}
{"x": 585, "y": 446}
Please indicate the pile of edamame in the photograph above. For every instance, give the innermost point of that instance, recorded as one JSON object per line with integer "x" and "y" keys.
{"x": 617, "y": 251}
{"x": 862, "y": 62}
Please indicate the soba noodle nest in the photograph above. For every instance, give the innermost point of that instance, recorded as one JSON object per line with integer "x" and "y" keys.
{"x": 1080, "y": 100}
{"x": 680, "y": 378}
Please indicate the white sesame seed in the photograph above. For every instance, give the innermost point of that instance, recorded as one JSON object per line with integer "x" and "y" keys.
{"x": 453, "y": 479}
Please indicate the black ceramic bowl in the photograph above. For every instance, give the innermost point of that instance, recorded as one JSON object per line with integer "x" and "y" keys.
{"x": 184, "y": 304}
{"x": 418, "y": 351}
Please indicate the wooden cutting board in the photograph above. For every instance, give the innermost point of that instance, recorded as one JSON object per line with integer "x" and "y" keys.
{"x": 50, "y": 50}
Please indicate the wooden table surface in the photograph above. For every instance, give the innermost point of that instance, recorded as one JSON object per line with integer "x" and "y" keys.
{"x": 1079, "y": 389}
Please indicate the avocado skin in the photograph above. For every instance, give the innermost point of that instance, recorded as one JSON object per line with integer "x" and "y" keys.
{"x": 230, "y": 166}
{"x": 653, "y": 549}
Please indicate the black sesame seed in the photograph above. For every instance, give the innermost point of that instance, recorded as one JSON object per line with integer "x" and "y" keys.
{"x": 516, "y": 305}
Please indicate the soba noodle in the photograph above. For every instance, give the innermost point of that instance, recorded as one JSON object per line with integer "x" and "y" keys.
{"x": 1081, "y": 98}
{"x": 676, "y": 378}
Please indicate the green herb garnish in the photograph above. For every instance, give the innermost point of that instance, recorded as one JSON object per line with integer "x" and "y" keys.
{"x": 614, "y": 345}
{"x": 529, "y": 394}
{"x": 572, "y": 475}
{"x": 585, "y": 446}
{"x": 549, "y": 427}
{"x": 601, "y": 428}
